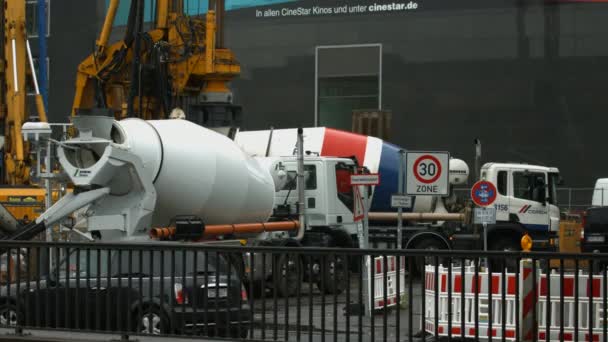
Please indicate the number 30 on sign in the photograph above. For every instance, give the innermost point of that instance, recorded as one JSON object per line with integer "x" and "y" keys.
{"x": 427, "y": 173}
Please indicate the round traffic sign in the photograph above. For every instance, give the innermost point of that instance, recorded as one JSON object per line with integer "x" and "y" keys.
{"x": 483, "y": 193}
{"x": 427, "y": 169}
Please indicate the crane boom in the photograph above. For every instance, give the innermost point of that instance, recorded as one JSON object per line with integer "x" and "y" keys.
{"x": 148, "y": 74}
{"x": 17, "y": 54}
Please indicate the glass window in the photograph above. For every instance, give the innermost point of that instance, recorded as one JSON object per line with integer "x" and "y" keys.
{"x": 340, "y": 96}
{"x": 502, "y": 182}
{"x": 310, "y": 178}
{"x": 31, "y": 18}
{"x": 553, "y": 182}
{"x": 521, "y": 187}
{"x": 167, "y": 262}
{"x": 87, "y": 263}
{"x": 291, "y": 181}
{"x": 530, "y": 186}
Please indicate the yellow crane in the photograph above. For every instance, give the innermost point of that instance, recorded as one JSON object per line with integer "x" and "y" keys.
{"x": 13, "y": 111}
{"x": 179, "y": 62}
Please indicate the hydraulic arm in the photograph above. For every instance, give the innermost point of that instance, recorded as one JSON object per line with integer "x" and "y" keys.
{"x": 17, "y": 57}
{"x": 147, "y": 74}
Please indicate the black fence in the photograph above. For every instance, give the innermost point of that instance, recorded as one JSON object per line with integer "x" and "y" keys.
{"x": 301, "y": 294}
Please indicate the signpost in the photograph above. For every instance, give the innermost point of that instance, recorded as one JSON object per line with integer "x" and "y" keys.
{"x": 400, "y": 201}
{"x": 363, "y": 231}
{"x": 427, "y": 173}
{"x": 483, "y": 194}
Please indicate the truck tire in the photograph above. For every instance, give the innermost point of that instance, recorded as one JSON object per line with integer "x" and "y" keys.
{"x": 504, "y": 244}
{"x": 287, "y": 274}
{"x": 427, "y": 244}
{"x": 333, "y": 274}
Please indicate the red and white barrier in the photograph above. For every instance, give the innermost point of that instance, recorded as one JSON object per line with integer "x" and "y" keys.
{"x": 393, "y": 296}
{"x": 590, "y": 290}
{"x": 529, "y": 300}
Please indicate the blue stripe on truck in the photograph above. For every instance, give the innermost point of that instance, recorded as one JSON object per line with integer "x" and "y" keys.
{"x": 389, "y": 177}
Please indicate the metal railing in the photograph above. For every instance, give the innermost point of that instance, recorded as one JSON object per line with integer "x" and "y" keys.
{"x": 290, "y": 294}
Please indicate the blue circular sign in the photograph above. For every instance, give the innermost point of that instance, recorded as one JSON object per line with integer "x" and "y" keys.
{"x": 483, "y": 193}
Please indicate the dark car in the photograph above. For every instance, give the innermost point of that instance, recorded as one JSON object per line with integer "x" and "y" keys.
{"x": 142, "y": 291}
{"x": 595, "y": 225}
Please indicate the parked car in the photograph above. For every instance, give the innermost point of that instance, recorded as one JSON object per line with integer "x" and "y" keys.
{"x": 142, "y": 291}
{"x": 595, "y": 230}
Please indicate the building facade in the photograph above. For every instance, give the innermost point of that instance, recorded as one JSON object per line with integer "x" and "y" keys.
{"x": 524, "y": 76}
{"x": 72, "y": 27}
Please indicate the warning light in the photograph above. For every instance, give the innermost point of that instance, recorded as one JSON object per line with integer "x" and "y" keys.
{"x": 526, "y": 243}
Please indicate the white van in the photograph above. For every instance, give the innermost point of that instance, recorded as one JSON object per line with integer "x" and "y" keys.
{"x": 600, "y": 193}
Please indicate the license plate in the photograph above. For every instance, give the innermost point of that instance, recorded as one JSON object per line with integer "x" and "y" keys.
{"x": 215, "y": 292}
{"x": 596, "y": 238}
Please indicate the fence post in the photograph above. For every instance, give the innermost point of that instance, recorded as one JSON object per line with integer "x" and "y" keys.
{"x": 528, "y": 299}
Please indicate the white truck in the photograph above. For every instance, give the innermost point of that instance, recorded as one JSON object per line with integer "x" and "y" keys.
{"x": 525, "y": 203}
{"x": 133, "y": 176}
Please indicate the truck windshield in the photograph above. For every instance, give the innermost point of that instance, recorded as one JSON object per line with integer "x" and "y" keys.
{"x": 553, "y": 182}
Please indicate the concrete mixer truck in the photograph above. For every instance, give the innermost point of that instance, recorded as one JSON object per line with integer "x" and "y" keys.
{"x": 173, "y": 179}
{"x": 525, "y": 203}
{"x": 135, "y": 177}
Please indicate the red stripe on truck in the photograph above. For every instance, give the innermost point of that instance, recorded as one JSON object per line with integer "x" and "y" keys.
{"x": 344, "y": 144}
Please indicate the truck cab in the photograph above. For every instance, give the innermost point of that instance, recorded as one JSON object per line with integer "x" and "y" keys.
{"x": 526, "y": 197}
{"x": 330, "y": 200}
{"x": 330, "y": 204}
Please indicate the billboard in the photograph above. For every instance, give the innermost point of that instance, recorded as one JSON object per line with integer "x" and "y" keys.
{"x": 268, "y": 9}
{"x": 191, "y": 7}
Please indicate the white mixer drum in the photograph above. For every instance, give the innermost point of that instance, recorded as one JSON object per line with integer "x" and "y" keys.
{"x": 197, "y": 171}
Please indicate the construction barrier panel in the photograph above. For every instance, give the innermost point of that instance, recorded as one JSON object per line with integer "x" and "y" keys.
{"x": 590, "y": 289}
{"x": 393, "y": 296}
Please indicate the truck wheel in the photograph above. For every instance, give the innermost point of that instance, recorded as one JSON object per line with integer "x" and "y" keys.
{"x": 152, "y": 321}
{"x": 428, "y": 244}
{"x": 288, "y": 270}
{"x": 333, "y": 275}
{"x": 8, "y": 315}
{"x": 504, "y": 244}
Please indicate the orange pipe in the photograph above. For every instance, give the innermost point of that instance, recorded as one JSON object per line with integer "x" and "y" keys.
{"x": 223, "y": 229}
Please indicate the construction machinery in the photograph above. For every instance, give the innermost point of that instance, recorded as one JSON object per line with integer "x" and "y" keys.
{"x": 138, "y": 178}
{"x": 179, "y": 66}
{"x": 17, "y": 58}
{"x": 21, "y": 199}
{"x": 526, "y": 202}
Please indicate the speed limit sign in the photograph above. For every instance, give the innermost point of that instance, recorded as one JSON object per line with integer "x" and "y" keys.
{"x": 427, "y": 173}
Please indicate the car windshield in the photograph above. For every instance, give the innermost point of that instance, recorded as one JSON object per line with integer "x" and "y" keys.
{"x": 83, "y": 262}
